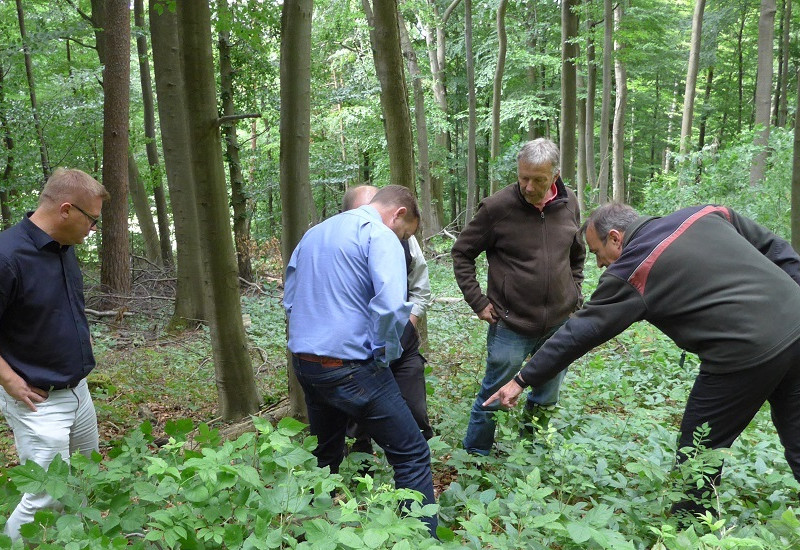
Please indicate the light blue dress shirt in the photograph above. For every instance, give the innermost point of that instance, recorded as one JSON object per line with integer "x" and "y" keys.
{"x": 345, "y": 289}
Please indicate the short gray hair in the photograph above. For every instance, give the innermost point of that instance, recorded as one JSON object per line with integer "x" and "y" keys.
{"x": 610, "y": 216}
{"x": 540, "y": 151}
{"x": 69, "y": 184}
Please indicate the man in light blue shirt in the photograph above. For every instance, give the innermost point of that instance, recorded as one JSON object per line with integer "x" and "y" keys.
{"x": 344, "y": 295}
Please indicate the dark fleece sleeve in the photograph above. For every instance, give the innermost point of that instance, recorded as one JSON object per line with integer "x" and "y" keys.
{"x": 475, "y": 238}
{"x": 779, "y": 251}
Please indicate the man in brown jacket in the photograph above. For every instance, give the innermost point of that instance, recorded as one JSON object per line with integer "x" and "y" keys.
{"x": 530, "y": 233}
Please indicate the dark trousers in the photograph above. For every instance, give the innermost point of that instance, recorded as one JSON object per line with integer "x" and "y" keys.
{"x": 367, "y": 393}
{"x": 409, "y": 373}
{"x": 728, "y": 402}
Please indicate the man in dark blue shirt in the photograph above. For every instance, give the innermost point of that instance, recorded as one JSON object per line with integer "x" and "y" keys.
{"x": 45, "y": 347}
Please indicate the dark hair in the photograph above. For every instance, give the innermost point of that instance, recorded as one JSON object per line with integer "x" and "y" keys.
{"x": 610, "y": 216}
{"x": 397, "y": 196}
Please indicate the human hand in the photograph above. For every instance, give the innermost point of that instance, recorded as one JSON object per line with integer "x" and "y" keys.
{"x": 413, "y": 318}
{"x": 507, "y": 395}
{"x": 20, "y": 390}
{"x": 489, "y": 315}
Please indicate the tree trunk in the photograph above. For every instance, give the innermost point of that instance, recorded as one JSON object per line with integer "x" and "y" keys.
{"x": 591, "y": 93}
{"x": 656, "y": 109}
{"x": 618, "y": 145}
{"x": 497, "y": 89}
{"x": 384, "y": 32}
{"x": 236, "y": 387}
{"x": 691, "y": 76}
{"x": 569, "y": 91}
{"x": 766, "y": 31}
{"x": 472, "y": 156}
{"x": 671, "y": 118}
{"x": 114, "y": 52}
{"x": 32, "y": 90}
{"x": 704, "y": 115}
{"x": 192, "y": 272}
{"x": 796, "y": 172}
{"x": 605, "y": 112}
{"x": 8, "y": 145}
{"x": 581, "y": 188}
{"x": 442, "y": 138}
{"x": 430, "y": 224}
{"x": 241, "y": 218}
{"x": 296, "y": 200}
{"x": 162, "y": 213}
{"x": 740, "y": 60}
{"x": 781, "y": 107}
{"x": 141, "y": 206}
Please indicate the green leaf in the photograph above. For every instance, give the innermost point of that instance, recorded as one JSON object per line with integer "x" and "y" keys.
{"x": 198, "y": 493}
{"x": 374, "y": 538}
{"x": 28, "y": 477}
{"x": 579, "y": 532}
{"x": 290, "y": 427}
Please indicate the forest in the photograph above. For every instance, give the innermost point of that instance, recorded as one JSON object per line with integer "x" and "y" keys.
{"x": 224, "y": 130}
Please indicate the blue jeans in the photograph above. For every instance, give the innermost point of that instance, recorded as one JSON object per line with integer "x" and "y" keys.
{"x": 367, "y": 393}
{"x": 506, "y": 350}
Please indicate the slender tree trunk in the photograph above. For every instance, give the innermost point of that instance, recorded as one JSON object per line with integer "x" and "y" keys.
{"x": 32, "y": 91}
{"x": 740, "y": 60}
{"x": 783, "y": 74}
{"x": 241, "y": 219}
{"x": 115, "y": 265}
{"x": 569, "y": 91}
{"x": 141, "y": 206}
{"x": 497, "y": 89}
{"x": 605, "y": 112}
{"x": 162, "y": 212}
{"x": 442, "y": 138}
{"x": 656, "y": 108}
{"x": 671, "y": 117}
{"x": 297, "y": 203}
{"x": 430, "y": 220}
{"x": 630, "y": 152}
{"x": 766, "y": 31}
{"x": 796, "y": 172}
{"x": 192, "y": 272}
{"x": 581, "y": 188}
{"x": 591, "y": 93}
{"x": 618, "y": 139}
{"x": 236, "y": 388}
{"x": 8, "y": 145}
{"x": 691, "y": 76}
{"x": 704, "y": 115}
{"x": 385, "y": 37}
{"x": 472, "y": 156}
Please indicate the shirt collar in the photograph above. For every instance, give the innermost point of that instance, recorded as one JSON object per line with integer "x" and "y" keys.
{"x": 548, "y": 198}
{"x": 40, "y": 239}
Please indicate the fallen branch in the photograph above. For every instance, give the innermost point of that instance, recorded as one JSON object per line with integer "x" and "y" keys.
{"x": 110, "y": 313}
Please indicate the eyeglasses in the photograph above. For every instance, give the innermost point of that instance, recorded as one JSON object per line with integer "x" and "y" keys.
{"x": 95, "y": 221}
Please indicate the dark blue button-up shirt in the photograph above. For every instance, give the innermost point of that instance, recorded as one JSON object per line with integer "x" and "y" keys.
{"x": 44, "y": 334}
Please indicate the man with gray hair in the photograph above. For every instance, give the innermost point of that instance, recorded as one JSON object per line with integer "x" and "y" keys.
{"x": 45, "y": 346}
{"x": 718, "y": 284}
{"x": 530, "y": 234}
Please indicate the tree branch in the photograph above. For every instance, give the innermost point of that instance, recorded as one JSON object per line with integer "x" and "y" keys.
{"x": 221, "y": 121}
{"x": 449, "y": 11}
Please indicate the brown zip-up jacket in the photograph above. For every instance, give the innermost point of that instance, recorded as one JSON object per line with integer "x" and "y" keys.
{"x": 535, "y": 259}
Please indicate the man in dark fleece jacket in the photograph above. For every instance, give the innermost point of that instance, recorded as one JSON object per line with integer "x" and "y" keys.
{"x": 720, "y": 286}
{"x": 530, "y": 233}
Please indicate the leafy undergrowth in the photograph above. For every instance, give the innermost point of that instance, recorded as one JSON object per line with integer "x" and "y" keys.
{"x": 601, "y": 475}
